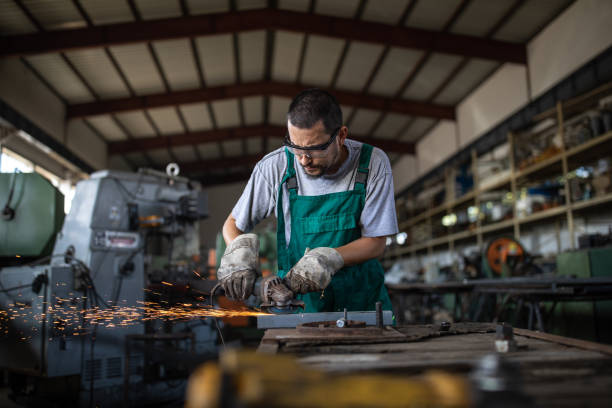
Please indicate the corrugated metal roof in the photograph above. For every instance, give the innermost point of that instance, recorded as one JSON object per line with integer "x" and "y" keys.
{"x": 391, "y": 125}
{"x": 108, "y": 11}
{"x": 346, "y": 8}
{"x": 252, "y": 46}
{"x": 56, "y": 14}
{"x": 251, "y": 4}
{"x": 233, "y": 148}
{"x": 155, "y": 9}
{"x": 217, "y": 59}
{"x": 254, "y": 145}
{"x": 208, "y": 150}
{"x": 160, "y": 157}
{"x": 55, "y": 71}
{"x": 136, "y": 123}
{"x": 137, "y": 63}
{"x": 529, "y": 19}
{"x": 139, "y": 160}
{"x": 416, "y": 129}
{"x": 474, "y": 72}
{"x": 207, "y": 7}
{"x": 107, "y": 127}
{"x": 178, "y": 64}
{"x": 99, "y": 72}
{"x": 480, "y": 16}
{"x": 286, "y": 55}
{"x": 431, "y": 15}
{"x": 166, "y": 120}
{"x": 197, "y": 117}
{"x": 12, "y": 19}
{"x": 357, "y": 65}
{"x": 294, "y": 5}
{"x": 395, "y": 68}
{"x": 347, "y": 111}
{"x": 253, "y": 110}
{"x": 186, "y": 154}
{"x": 321, "y": 58}
{"x": 434, "y": 72}
{"x": 326, "y": 62}
{"x": 363, "y": 121}
{"x": 278, "y": 110}
{"x": 384, "y": 11}
{"x": 274, "y": 143}
{"x": 226, "y": 113}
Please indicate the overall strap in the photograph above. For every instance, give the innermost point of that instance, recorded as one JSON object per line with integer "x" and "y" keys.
{"x": 291, "y": 181}
{"x": 363, "y": 170}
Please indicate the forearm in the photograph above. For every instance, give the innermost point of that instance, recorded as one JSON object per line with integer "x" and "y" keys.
{"x": 362, "y": 249}
{"x": 230, "y": 231}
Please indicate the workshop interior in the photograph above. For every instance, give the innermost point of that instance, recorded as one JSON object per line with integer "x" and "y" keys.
{"x": 130, "y": 128}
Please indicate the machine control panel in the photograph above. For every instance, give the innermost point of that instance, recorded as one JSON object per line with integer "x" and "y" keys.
{"x": 115, "y": 240}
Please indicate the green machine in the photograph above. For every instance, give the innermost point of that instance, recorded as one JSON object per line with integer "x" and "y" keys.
{"x": 32, "y": 215}
{"x": 587, "y": 320}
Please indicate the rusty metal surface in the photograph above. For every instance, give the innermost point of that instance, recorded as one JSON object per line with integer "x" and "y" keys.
{"x": 567, "y": 341}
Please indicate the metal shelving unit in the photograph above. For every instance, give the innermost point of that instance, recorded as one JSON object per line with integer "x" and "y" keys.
{"x": 556, "y": 164}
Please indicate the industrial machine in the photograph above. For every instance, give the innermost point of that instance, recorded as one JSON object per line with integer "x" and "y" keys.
{"x": 87, "y": 305}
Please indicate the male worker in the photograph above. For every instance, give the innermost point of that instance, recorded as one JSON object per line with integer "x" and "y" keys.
{"x": 334, "y": 203}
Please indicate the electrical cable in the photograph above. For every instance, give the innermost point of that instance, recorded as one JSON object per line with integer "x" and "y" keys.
{"x": 7, "y": 212}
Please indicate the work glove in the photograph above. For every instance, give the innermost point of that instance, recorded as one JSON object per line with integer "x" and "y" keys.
{"x": 314, "y": 271}
{"x": 239, "y": 266}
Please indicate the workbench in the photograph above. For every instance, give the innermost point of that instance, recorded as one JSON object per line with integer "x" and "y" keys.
{"x": 520, "y": 292}
{"x": 555, "y": 371}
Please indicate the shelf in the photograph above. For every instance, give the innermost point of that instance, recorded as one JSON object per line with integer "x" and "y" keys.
{"x": 466, "y": 197}
{"x": 561, "y": 164}
{"x": 589, "y": 144}
{"x": 539, "y": 166}
{"x": 592, "y": 202}
{"x": 437, "y": 210}
{"x": 497, "y": 184}
{"x": 497, "y": 226}
{"x": 540, "y": 215}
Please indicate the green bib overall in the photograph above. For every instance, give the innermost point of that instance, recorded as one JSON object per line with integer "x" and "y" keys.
{"x": 330, "y": 220}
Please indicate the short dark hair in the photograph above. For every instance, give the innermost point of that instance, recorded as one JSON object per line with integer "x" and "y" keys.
{"x": 312, "y": 105}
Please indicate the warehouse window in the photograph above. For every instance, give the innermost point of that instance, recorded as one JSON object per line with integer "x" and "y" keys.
{"x": 11, "y": 162}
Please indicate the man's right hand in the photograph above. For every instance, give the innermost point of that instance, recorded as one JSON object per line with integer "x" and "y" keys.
{"x": 239, "y": 266}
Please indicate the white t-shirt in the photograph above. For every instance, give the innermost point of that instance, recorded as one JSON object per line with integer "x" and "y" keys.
{"x": 259, "y": 198}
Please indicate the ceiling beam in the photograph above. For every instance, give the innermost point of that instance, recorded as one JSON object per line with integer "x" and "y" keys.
{"x": 266, "y": 88}
{"x": 233, "y": 177}
{"x": 239, "y": 133}
{"x": 262, "y": 19}
{"x": 221, "y": 163}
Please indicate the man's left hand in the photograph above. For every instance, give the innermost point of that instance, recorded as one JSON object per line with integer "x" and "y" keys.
{"x": 313, "y": 273}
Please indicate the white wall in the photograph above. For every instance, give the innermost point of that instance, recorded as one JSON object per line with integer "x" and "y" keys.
{"x": 25, "y": 93}
{"x": 437, "y": 146}
{"x": 405, "y": 171}
{"x": 576, "y": 36}
{"x": 500, "y": 95}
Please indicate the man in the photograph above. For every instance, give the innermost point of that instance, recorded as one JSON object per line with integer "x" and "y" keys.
{"x": 333, "y": 198}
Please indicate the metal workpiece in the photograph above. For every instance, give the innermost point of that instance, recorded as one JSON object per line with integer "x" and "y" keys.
{"x": 294, "y": 320}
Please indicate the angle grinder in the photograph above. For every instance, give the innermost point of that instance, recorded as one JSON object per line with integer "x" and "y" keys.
{"x": 275, "y": 296}
{"x": 271, "y": 295}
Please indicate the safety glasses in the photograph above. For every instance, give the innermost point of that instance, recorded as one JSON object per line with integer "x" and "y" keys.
{"x": 311, "y": 152}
